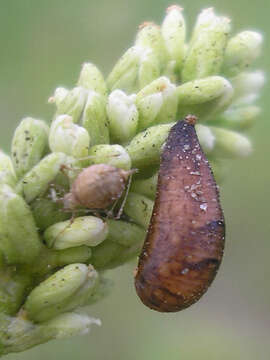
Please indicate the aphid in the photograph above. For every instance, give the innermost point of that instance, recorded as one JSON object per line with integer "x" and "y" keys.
{"x": 96, "y": 187}
{"x": 185, "y": 241}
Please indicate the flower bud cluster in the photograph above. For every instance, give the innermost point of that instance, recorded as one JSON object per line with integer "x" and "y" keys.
{"x": 52, "y": 257}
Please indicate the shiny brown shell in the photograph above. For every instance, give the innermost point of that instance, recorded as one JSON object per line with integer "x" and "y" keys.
{"x": 185, "y": 241}
{"x": 97, "y": 187}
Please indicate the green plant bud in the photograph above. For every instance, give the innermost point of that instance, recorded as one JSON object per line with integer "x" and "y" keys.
{"x": 204, "y": 97}
{"x": 123, "y": 243}
{"x": 50, "y": 259}
{"x": 240, "y": 118}
{"x": 91, "y": 78}
{"x": 206, "y": 50}
{"x": 125, "y": 233}
{"x": 221, "y": 103}
{"x": 135, "y": 69}
{"x": 149, "y": 69}
{"x": 146, "y": 187}
{"x": 124, "y": 255}
{"x": 35, "y": 183}
{"x": 29, "y": 144}
{"x": 85, "y": 230}
{"x": 60, "y": 94}
{"x": 174, "y": 33}
{"x": 69, "y": 324}
{"x": 241, "y": 51}
{"x": 206, "y": 138}
{"x": 19, "y": 241}
{"x": 68, "y": 138}
{"x": 65, "y": 290}
{"x": 18, "y": 334}
{"x": 87, "y": 291}
{"x": 109, "y": 254}
{"x": 198, "y": 92}
{"x": 47, "y": 212}
{"x": 139, "y": 208}
{"x": 7, "y": 172}
{"x": 149, "y": 36}
{"x": 157, "y": 103}
{"x": 144, "y": 149}
{"x": 247, "y": 83}
{"x": 63, "y": 180}
{"x": 123, "y": 116}
{"x": 229, "y": 144}
{"x": 95, "y": 120}
{"x": 105, "y": 254}
{"x": 77, "y": 254}
{"x": 13, "y": 289}
{"x": 124, "y": 74}
{"x": 114, "y": 155}
{"x": 70, "y": 102}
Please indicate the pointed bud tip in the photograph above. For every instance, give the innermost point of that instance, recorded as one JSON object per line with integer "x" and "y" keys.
{"x": 174, "y": 8}
{"x": 148, "y": 23}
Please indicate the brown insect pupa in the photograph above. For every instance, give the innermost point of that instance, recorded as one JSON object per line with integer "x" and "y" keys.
{"x": 97, "y": 187}
{"x": 185, "y": 241}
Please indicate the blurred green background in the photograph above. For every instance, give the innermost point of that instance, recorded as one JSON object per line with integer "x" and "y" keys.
{"x": 43, "y": 44}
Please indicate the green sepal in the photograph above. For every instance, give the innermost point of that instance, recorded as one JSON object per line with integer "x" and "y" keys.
{"x": 207, "y": 46}
{"x": 230, "y": 144}
{"x": 94, "y": 118}
{"x": 91, "y": 78}
{"x": 124, "y": 233}
{"x": 19, "y": 240}
{"x": 149, "y": 36}
{"x": 146, "y": 187}
{"x": 36, "y": 182}
{"x": 134, "y": 70}
{"x": 204, "y": 97}
{"x": 47, "y": 212}
{"x": 69, "y": 138}
{"x": 84, "y": 230}
{"x": 157, "y": 103}
{"x": 145, "y": 148}
{"x": 29, "y": 145}
{"x": 241, "y": 51}
{"x": 67, "y": 289}
{"x": 114, "y": 155}
{"x": 139, "y": 208}
{"x": 123, "y": 116}
{"x": 174, "y": 33}
{"x": 70, "y": 102}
